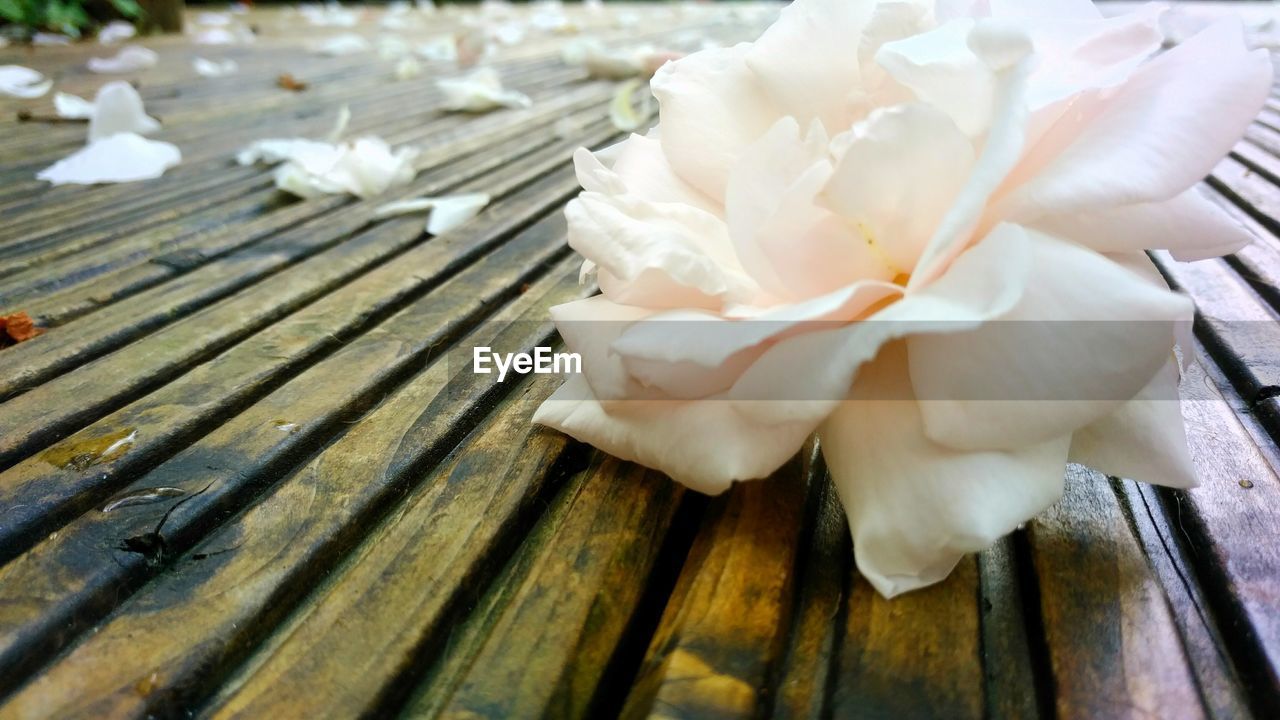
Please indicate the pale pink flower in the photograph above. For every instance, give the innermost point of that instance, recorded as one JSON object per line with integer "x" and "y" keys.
{"x": 918, "y": 232}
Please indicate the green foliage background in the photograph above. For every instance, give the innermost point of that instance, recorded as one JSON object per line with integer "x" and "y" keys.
{"x": 69, "y": 17}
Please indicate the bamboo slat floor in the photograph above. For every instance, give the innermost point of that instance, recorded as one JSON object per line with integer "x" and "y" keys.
{"x": 354, "y": 524}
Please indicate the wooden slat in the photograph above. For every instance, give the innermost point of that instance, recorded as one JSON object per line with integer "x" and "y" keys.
{"x": 725, "y": 626}
{"x": 918, "y": 655}
{"x": 1114, "y": 647}
{"x": 82, "y": 565}
{"x": 181, "y": 635}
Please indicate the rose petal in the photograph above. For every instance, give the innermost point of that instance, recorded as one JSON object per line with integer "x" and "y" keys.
{"x": 712, "y": 108}
{"x": 72, "y": 107}
{"x": 1144, "y": 439}
{"x": 1086, "y": 336}
{"x": 804, "y": 63}
{"x": 22, "y": 82}
{"x": 622, "y": 113}
{"x": 214, "y": 68}
{"x": 805, "y": 376}
{"x": 1160, "y": 132}
{"x": 901, "y": 171}
{"x": 131, "y": 58}
{"x": 590, "y": 327}
{"x": 703, "y": 445}
{"x": 915, "y": 507}
{"x": 479, "y": 91}
{"x": 124, "y": 157}
{"x": 640, "y": 168}
{"x": 693, "y": 354}
{"x": 339, "y": 45}
{"x": 115, "y": 31}
{"x": 942, "y": 70}
{"x": 1190, "y": 225}
{"x": 1007, "y": 52}
{"x": 656, "y": 254}
{"x": 117, "y": 108}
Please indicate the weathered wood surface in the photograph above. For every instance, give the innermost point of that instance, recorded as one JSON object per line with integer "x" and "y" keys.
{"x": 333, "y": 518}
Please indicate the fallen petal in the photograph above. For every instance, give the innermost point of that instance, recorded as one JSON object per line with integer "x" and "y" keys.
{"x": 72, "y": 107}
{"x": 480, "y": 91}
{"x": 447, "y": 211}
{"x": 22, "y": 82}
{"x": 116, "y": 31}
{"x": 214, "y": 68}
{"x": 131, "y": 58}
{"x": 124, "y": 157}
{"x": 622, "y": 113}
{"x": 118, "y": 109}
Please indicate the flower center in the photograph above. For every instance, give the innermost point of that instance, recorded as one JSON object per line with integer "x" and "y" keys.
{"x": 873, "y": 246}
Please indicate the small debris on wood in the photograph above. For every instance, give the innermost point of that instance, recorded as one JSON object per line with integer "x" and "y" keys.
{"x": 143, "y": 497}
{"x": 291, "y": 83}
{"x": 17, "y": 327}
{"x": 25, "y": 115}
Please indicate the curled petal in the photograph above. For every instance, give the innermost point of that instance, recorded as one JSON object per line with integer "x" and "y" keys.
{"x": 942, "y": 70}
{"x": 590, "y": 327}
{"x": 916, "y": 507}
{"x": 447, "y": 211}
{"x": 656, "y": 254}
{"x": 644, "y": 171}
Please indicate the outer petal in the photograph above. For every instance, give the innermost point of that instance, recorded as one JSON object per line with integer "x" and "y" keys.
{"x": 916, "y": 507}
{"x": 656, "y": 254}
{"x": 804, "y": 60}
{"x": 712, "y": 108}
{"x": 1144, "y": 439}
{"x": 705, "y": 444}
{"x": 120, "y": 158}
{"x": 1190, "y": 225}
{"x": 903, "y": 169}
{"x": 590, "y": 327}
{"x": 1087, "y": 336}
{"x": 693, "y": 354}
{"x": 1156, "y": 136}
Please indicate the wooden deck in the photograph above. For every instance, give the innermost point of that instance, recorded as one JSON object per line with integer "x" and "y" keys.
{"x": 361, "y": 528}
